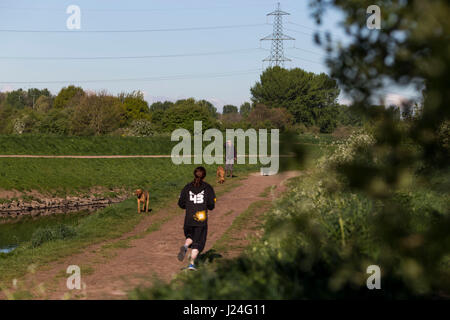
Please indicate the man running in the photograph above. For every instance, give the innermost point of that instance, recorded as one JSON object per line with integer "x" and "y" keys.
{"x": 197, "y": 197}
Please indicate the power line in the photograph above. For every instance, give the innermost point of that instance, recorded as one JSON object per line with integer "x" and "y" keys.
{"x": 62, "y": 9}
{"x": 133, "y": 57}
{"x": 136, "y": 30}
{"x": 138, "y": 10}
{"x": 306, "y": 50}
{"x": 301, "y": 32}
{"x": 298, "y": 58}
{"x": 335, "y": 42}
{"x": 303, "y": 26}
{"x": 143, "y": 79}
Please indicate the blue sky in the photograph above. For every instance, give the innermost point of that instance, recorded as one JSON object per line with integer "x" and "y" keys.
{"x": 231, "y": 64}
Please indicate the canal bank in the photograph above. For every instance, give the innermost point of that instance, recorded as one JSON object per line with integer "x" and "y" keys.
{"x": 11, "y": 211}
{"x": 19, "y": 219}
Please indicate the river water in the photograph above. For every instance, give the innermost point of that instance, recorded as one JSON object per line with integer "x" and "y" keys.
{"x": 14, "y": 233}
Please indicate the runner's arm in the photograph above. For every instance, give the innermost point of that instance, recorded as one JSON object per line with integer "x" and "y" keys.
{"x": 182, "y": 199}
{"x": 211, "y": 199}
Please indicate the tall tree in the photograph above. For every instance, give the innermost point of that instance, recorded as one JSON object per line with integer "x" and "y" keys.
{"x": 33, "y": 95}
{"x": 134, "y": 105}
{"x": 2, "y": 98}
{"x": 43, "y": 103}
{"x": 16, "y": 99}
{"x": 229, "y": 108}
{"x": 183, "y": 115}
{"x": 160, "y": 106}
{"x": 262, "y": 116}
{"x": 300, "y": 92}
{"x": 97, "y": 114}
{"x": 56, "y": 121}
{"x": 68, "y": 97}
{"x": 245, "y": 109}
{"x": 208, "y": 105}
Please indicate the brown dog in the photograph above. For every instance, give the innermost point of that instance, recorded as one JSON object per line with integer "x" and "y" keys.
{"x": 220, "y": 175}
{"x": 142, "y": 196}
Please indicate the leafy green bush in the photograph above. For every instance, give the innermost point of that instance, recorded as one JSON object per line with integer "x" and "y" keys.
{"x": 444, "y": 136}
{"x": 140, "y": 128}
{"x": 327, "y": 124}
{"x": 55, "y": 121}
{"x": 349, "y": 149}
{"x": 184, "y": 115}
{"x": 58, "y": 232}
{"x": 343, "y": 132}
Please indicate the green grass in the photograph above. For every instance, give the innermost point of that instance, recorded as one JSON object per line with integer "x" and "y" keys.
{"x": 318, "y": 139}
{"x": 267, "y": 191}
{"x": 73, "y": 176}
{"x": 225, "y": 243}
{"x": 23, "y": 230}
{"x": 73, "y": 145}
{"x": 105, "y": 145}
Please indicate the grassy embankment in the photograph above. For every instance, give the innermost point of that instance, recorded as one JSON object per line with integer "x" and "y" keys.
{"x": 62, "y": 177}
{"x": 108, "y": 145}
{"x": 74, "y": 145}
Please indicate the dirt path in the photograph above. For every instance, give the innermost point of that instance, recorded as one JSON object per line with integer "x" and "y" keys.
{"x": 110, "y": 269}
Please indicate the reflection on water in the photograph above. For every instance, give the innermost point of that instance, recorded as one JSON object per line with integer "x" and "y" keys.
{"x": 7, "y": 216}
{"x": 7, "y": 249}
{"x": 14, "y": 233}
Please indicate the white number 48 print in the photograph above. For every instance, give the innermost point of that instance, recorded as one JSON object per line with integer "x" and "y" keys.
{"x": 196, "y": 198}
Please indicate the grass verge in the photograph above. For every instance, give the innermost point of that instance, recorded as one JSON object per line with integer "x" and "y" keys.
{"x": 229, "y": 240}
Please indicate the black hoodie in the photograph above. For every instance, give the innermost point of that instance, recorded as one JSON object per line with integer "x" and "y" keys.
{"x": 197, "y": 199}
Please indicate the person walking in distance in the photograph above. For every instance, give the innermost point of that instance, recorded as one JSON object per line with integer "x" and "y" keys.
{"x": 230, "y": 158}
{"x": 197, "y": 197}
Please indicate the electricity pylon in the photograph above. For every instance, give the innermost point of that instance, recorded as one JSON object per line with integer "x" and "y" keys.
{"x": 277, "y": 57}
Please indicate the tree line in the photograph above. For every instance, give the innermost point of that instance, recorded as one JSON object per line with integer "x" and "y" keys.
{"x": 284, "y": 99}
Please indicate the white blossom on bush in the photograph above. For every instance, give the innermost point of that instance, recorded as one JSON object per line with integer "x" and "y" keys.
{"x": 346, "y": 151}
{"x": 140, "y": 128}
{"x": 19, "y": 126}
